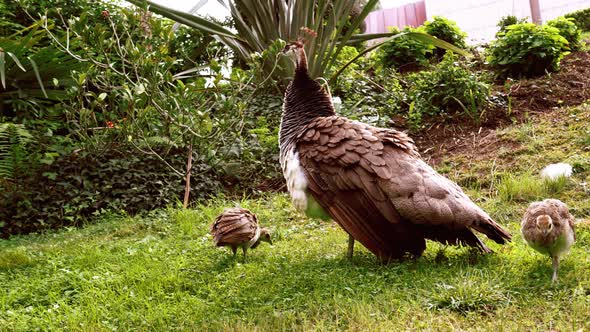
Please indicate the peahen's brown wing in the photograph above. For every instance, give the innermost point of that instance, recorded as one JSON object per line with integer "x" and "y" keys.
{"x": 233, "y": 227}
{"x": 374, "y": 184}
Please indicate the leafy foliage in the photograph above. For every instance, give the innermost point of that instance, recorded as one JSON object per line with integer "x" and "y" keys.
{"x": 447, "y": 30}
{"x": 451, "y": 87}
{"x": 194, "y": 48}
{"x": 14, "y": 139}
{"x": 582, "y": 18}
{"x": 272, "y": 20}
{"x": 132, "y": 92}
{"x": 405, "y": 52}
{"x": 125, "y": 90}
{"x": 506, "y": 21}
{"x": 8, "y": 24}
{"x": 527, "y": 50}
{"x": 77, "y": 187}
{"x": 34, "y": 77}
{"x": 327, "y": 25}
{"x": 369, "y": 92}
{"x": 568, "y": 30}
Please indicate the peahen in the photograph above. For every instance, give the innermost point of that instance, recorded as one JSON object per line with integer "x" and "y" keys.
{"x": 370, "y": 180}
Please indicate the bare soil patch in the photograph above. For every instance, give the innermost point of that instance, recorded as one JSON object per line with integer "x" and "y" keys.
{"x": 530, "y": 97}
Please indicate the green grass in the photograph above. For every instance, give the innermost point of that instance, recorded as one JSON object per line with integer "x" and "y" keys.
{"x": 528, "y": 187}
{"x": 161, "y": 271}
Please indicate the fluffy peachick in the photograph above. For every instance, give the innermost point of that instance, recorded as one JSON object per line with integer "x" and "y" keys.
{"x": 238, "y": 228}
{"x": 548, "y": 227}
{"x": 370, "y": 180}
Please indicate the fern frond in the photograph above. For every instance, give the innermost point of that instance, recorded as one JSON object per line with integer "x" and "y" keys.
{"x": 13, "y": 141}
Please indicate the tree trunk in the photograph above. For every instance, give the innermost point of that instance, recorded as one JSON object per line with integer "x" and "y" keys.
{"x": 187, "y": 187}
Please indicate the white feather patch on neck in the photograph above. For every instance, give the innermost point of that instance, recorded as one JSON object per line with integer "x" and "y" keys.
{"x": 255, "y": 238}
{"x": 296, "y": 181}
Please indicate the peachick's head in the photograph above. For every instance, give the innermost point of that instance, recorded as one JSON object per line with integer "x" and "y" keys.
{"x": 265, "y": 235}
{"x": 544, "y": 224}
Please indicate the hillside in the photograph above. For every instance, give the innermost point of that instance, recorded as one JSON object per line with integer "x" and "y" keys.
{"x": 161, "y": 271}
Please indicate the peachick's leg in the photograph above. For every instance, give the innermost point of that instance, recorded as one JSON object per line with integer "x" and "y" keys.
{"x": 234, "y": 250}
{"x": 244, "y": 251}
{"x": 350, "y": 246}
{"x": 555, "y": 260}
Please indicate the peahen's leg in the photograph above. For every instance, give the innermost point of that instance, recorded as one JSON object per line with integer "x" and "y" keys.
{"x": 350, "y": 246}
{"x": 234, "y": 249}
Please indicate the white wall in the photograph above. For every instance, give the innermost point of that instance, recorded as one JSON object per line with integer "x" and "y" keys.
{"x": 479, "y": 17}
{"x": 551, "y": 9}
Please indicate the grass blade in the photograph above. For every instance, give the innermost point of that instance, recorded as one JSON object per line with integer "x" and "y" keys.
{"x": 2, "y": 69}
{"x": 36, "y": 71}
{"x": 16, "y": 60}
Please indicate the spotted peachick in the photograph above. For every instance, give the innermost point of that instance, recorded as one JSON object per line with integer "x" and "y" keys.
{"x": 238, "y": 228}
{"x": 548, "y": 227}
{"x": 370, "y": 180}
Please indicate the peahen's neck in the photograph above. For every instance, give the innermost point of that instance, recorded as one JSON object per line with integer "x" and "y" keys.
{"x": 305, "y": 100}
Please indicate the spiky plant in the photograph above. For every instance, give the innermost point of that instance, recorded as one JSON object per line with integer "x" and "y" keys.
{"x": 259, "y": 24}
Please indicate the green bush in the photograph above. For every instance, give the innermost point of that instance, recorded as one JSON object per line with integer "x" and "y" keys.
{"x": 405, "y": 52}
{"x": 368, "y": 91}
{"x": 582, "y": 18}
{"x": 130, "y": 92}
{"x": 446, "y": 30}
{"x": 527, "y": 50}
{"x": 507, "y": 21}
{"x": 449, "y": 88}
{"x": 79, "y": 186}
{"x": 568, "y": 30}
{"x": 17, "y": 14}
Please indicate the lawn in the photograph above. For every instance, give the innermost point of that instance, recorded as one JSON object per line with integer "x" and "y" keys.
{"x": 160, "y": 271}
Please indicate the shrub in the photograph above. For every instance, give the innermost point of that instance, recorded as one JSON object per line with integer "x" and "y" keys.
{"x": 22, "y": 13}
{"x": 568, "y": 30}
{"x": 449, "y": 88}
{"x": 582, "y": 18}
{"x": 527, "y": 49}
{"x": 130, "y": 93}
{"x": 446, "y": 30}
{"x": 369, "y": 92}
{"x": 507, "y": 21}
{"x": 78, "y": 186}
{"x": 404, "y": 51}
